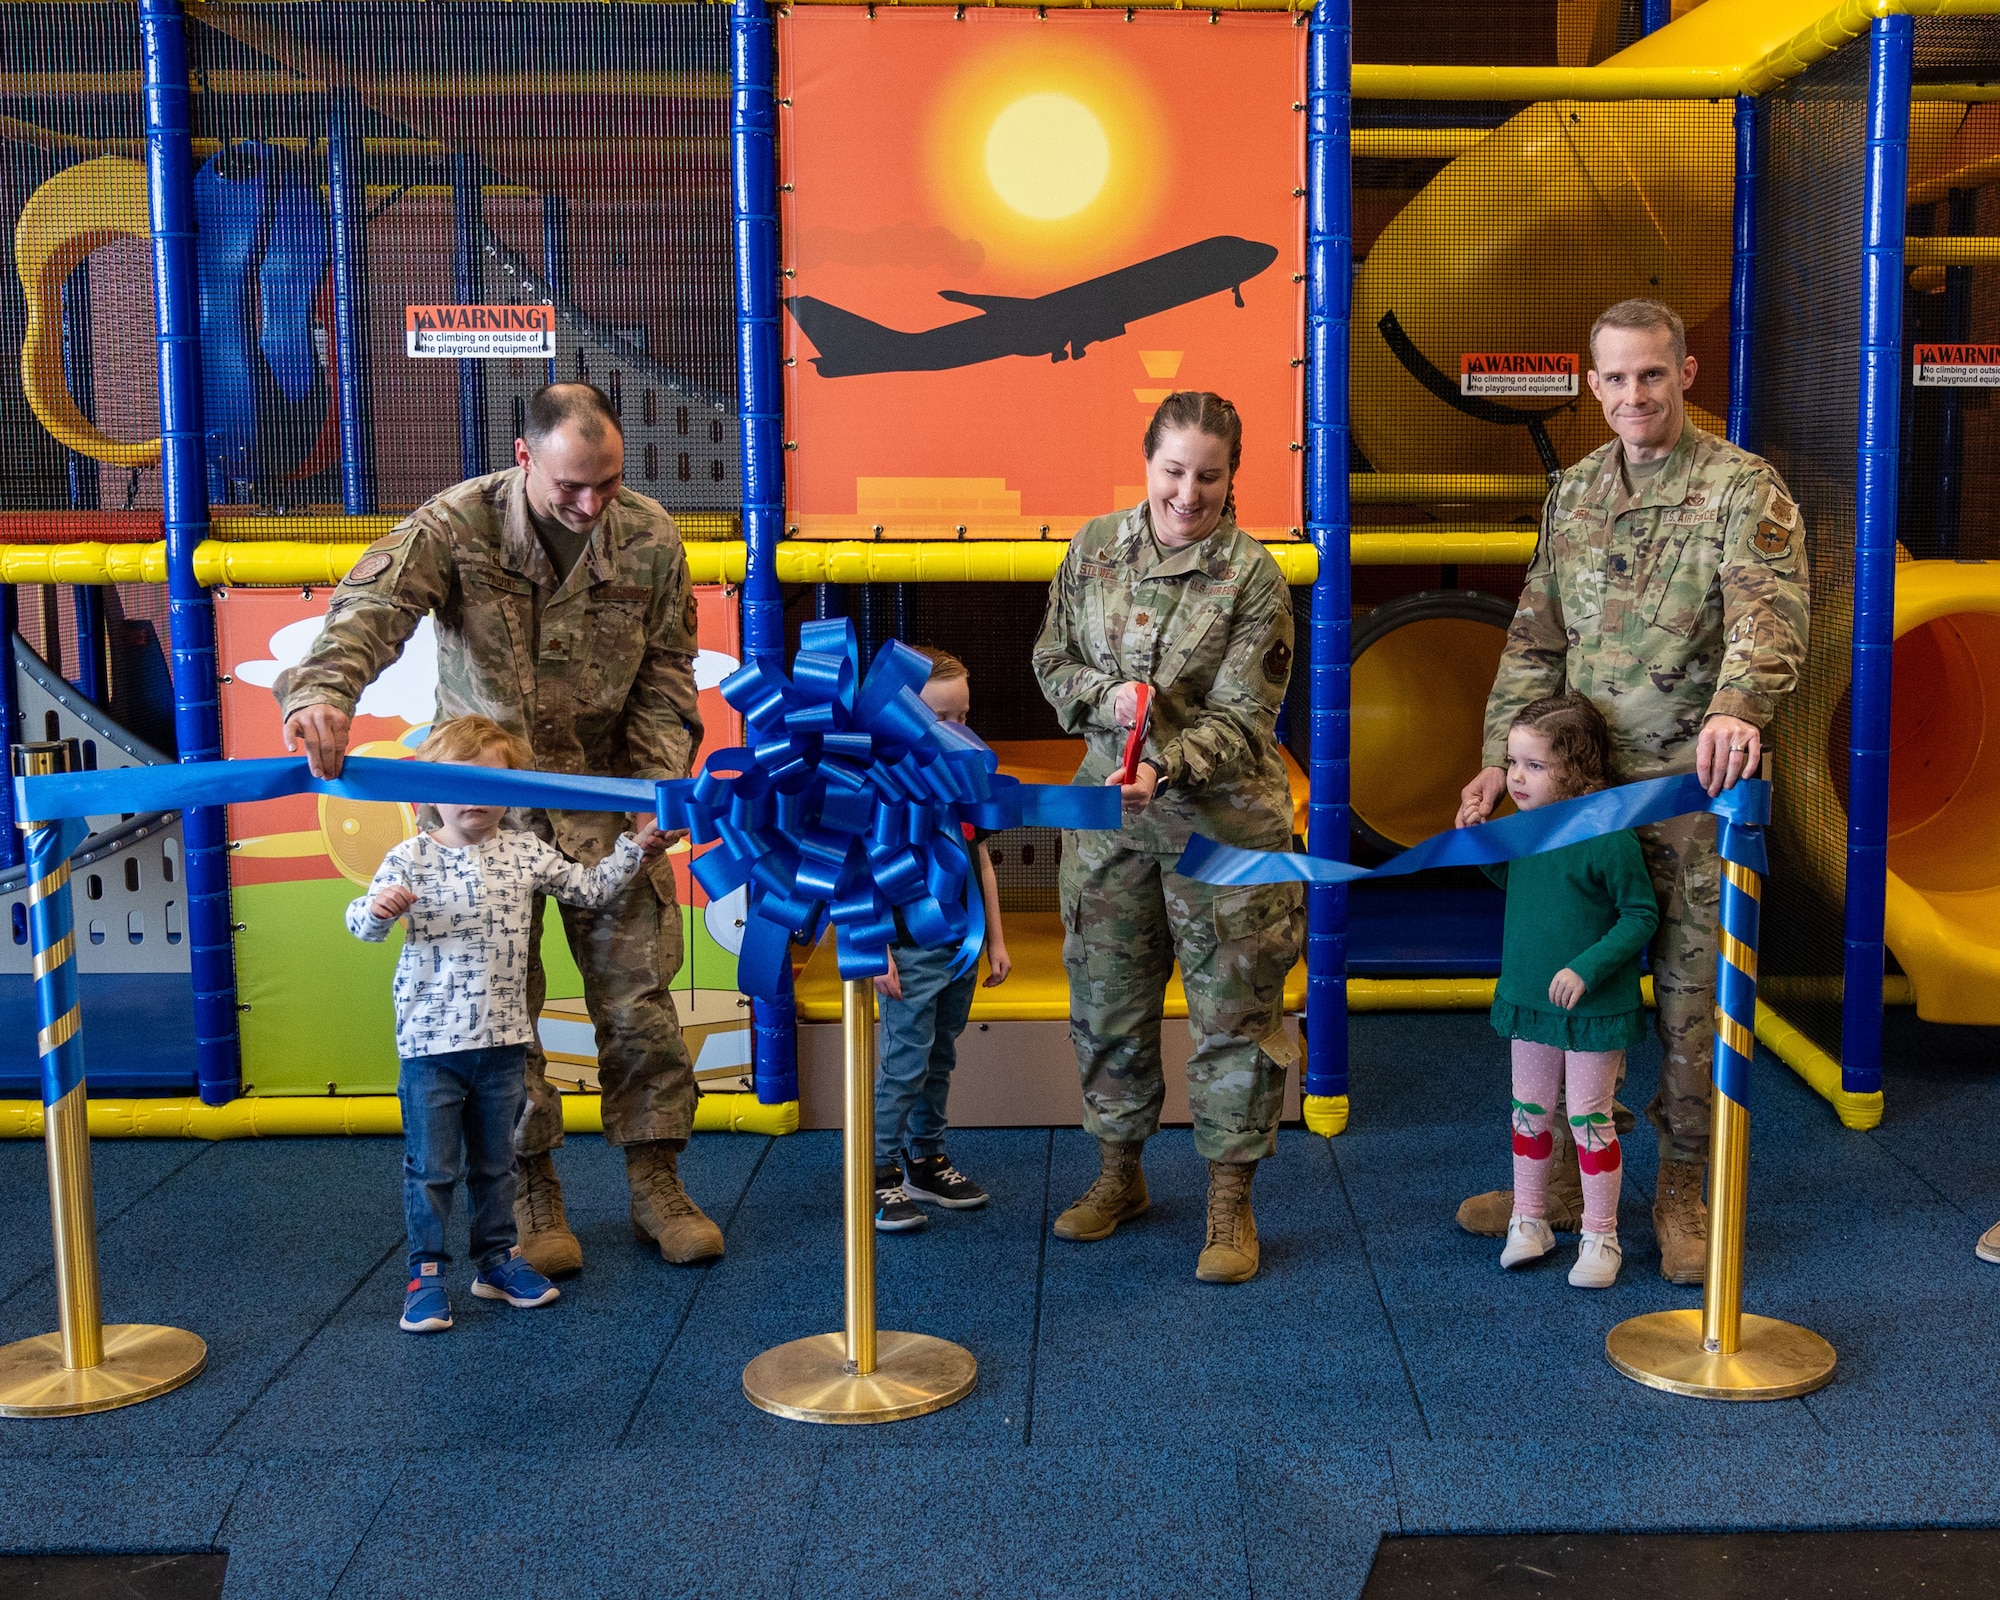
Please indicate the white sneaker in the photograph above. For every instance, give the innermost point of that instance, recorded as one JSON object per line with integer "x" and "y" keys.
{"x": 1597, "y": 1262}
{"x": 1528, "y": 1239}
{"x": 1988, "y": 1248}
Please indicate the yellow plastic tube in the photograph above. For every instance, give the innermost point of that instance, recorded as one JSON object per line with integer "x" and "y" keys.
{"x": 309, "y": 1116}
{"x": 1950, "y": 252}
{"x": 1428, "y": 543}
{"x": 1429, "y": 488}
{"x": 281, "y": 563}
{"x": 1820, "y": 1071}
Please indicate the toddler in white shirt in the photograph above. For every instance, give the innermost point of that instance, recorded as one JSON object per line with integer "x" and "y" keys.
{"x": 466, "y": 891}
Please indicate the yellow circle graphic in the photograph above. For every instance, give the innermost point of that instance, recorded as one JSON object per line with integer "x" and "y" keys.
{"x": 1047, "y": 156}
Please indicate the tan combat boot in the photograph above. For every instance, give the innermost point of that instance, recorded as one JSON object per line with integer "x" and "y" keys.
{"x": 1680, "y": 1221}
{"x": 547, "y": 1244}
{"x": 662, "y": 1213}
{"x": 1487, "y": 1214}
{"x": 1118, "y": 1195}
{"x": 1230, "y": 1256}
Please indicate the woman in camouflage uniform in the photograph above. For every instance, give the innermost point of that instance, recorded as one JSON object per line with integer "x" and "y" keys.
{"x": 1174, "y": 595}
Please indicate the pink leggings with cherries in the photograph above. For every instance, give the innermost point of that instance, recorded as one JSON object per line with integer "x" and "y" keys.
{"x": 1590, "y": 1078}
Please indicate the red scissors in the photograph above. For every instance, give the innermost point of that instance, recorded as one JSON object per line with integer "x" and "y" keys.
{"x": 1138, "y": 738}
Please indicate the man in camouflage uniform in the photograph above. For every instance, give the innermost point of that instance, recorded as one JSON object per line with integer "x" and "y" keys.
{"x": 565, "y": 613}
{"x": 1668, "y": 586}
{"x": 1208, "y": 625}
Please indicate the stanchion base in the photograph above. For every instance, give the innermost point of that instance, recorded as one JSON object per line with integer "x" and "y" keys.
{"x": 1664, "y": 1351}
{"x": 140, "y": 1363}
{"x": 808, "y": 1381}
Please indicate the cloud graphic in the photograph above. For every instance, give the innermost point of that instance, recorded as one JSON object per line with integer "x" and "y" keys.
{"x": 711, "y": 667}
{"x": 903, "y": 244}
{"x": 725, "y": 917}
{"x": 406, "y": 692}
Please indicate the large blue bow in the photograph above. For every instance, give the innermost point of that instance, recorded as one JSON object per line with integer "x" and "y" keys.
{"x": 848, "y": 805}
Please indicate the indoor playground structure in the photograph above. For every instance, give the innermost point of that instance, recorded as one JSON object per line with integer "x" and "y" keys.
{"x": 314, "y": 218}
{"x": 884, "y": 295}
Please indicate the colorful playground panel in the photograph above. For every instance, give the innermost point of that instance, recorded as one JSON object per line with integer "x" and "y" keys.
{"x": 317, "y": 1017}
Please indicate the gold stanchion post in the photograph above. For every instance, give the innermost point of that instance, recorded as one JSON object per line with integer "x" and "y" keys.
{"x": 1719, "y": 1352}
{"x": 86, "y": 1366}
{"x": 860, "y": 1375}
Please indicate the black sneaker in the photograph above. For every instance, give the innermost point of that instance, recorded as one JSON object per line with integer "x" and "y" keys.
{"x": 936, "y": 1180}
{"x": 893, "y": 1211}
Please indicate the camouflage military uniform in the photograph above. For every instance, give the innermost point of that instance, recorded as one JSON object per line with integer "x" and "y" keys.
{"x": 1210, "y": 628}
{"x": 597, "y": 674}
{"x": 1665, "y": 600}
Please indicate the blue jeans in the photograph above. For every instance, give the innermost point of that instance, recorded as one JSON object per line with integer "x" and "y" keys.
{"x": 459, "y": 1111}
{"x": 919, "y": 1049}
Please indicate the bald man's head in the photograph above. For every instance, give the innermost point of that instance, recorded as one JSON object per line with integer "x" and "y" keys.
{"x": 581, "y": 406}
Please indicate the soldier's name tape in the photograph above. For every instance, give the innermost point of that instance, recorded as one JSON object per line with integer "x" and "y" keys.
{"x": 1526, "y": 833}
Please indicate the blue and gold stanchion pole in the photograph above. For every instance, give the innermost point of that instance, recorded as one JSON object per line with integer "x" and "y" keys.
{"x": 861, "y": 1375}
{"x": 86, "y": 1366}
{"x": 1719, "y": 1353}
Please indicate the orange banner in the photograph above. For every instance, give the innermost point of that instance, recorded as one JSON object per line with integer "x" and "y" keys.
{"x": 1009, "y": 237}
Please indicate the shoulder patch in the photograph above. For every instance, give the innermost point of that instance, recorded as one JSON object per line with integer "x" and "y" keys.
{"x": 1277, "y": 662}
{"x": 370, "y": 567}
{"x": 1772, "y": 538}
{"x": 691, "y": 616}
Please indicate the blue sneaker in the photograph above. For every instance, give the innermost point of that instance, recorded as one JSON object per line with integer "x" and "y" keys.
{"x": 426, "y": 1307}
{"x": 514, "y": 1281}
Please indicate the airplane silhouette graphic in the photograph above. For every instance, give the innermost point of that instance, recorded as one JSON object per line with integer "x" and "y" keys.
{"x": 1060, "y": 325}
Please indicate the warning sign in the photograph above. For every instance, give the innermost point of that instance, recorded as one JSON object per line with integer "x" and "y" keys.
{"x": 1510, "y": 372}
{"x": 479, "y": 333}
{"x": 1956, "y": 366}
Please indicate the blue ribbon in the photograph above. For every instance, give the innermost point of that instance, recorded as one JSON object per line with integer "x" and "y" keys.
{"x": 221, "y": 783}
{"x": 845, "y": 808}
{"x": 1744, "y": 810}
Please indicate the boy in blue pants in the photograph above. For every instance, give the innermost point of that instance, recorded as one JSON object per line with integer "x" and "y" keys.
{"x": 467, "y": 891}
{"x": 924, "y": 1010}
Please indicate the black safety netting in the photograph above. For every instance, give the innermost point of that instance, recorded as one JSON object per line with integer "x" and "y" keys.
{"x": 1805, "y": 420}
{"x": 72, "y": 201}
{"x": 567, "y": 156}
{"x": 1809, "y": 221}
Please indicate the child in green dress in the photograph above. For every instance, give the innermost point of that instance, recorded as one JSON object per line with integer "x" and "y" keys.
{"x": 1568, "y": 996}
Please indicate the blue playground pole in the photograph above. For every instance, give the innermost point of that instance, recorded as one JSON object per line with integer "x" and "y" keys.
{"x": 555, "y": 254}
{"x": 1329, "y": 306}
{"x": 183, "y": 484}
{"x": 469, "y": 283}
{"x": 347, "y": 197}
{"x": 79, "y": 377}
{"x": 761, "y": 401}
{"x": 1885, "y": 183}
{"x": 1655, "y": 15}
{"x": 1743, "y": 274}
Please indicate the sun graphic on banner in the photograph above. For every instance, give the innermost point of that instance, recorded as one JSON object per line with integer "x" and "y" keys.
{"x": 1050, "y": 156}
{"x": 1047, "y": 156}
